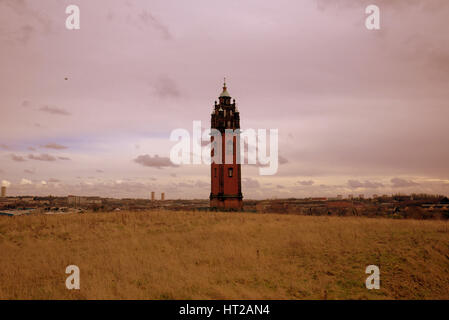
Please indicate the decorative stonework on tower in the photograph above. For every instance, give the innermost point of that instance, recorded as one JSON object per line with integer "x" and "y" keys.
{"x": 226, "y": 184}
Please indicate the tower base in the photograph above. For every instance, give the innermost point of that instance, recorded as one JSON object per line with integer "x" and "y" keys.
{"x": 226, "y": 202}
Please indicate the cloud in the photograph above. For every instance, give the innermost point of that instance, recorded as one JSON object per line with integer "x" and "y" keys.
{"x": 402, "y": 183}
{"x": 99, "y": 171}
{"x": 54, "y": 110}
{"x": 148, "y": 19}
{"x": 184, "y": 185}
{"x": 25, "y": 181}
{"x": 42, "y": 157}
{"x": 202, "y": 184}
{"x": 427, "y": 5}
{"x": 17, "y": 158}
{"x": 16, "y": 5}
{"x": 306, "y": 182}
{"x": 27, "y": 22}
{"x": 354, "y": 184}
{"x": 6, "y": 183}
{"x": 54, "y": 146}
{"x": 250, "y": 183}
{"x": 25, "y": 33}
{"x": 369, "y": 184}
{"x": 156, "y": 161}
{"x": 4, "y": 146}
{"x": 165, "y": 87}
{"x": 64, "y": 158}
{"x": 28, "y": 171}
{"x": 282, "y": 160}
{"x": 52, "y": 180}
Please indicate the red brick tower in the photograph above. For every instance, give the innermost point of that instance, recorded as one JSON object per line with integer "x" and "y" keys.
{"x": 226, "y": 184}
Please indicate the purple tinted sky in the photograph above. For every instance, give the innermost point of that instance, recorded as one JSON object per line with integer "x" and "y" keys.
{"x": 358, "y": 111}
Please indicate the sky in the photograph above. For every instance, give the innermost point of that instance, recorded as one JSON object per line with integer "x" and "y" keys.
{"x": 90, "y": 111}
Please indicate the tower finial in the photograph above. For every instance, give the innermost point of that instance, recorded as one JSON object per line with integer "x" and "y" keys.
{"x": 225, "y": 92}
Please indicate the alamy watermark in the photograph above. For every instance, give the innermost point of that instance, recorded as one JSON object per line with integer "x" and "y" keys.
{"x": 73, "y": 20}
{"x": 73, "y": 280}
{"x": 193, "y": 150}
{"x": 372, "y": 22}
{"x": 373, "y": 280}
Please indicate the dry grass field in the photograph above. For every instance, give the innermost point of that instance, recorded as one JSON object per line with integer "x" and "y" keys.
{"x": 191, "y": 255}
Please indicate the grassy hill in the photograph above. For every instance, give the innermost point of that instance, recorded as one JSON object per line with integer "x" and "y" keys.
{"x": 191, "y": 255}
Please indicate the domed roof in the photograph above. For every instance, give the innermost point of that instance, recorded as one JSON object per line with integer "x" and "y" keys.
{"x": 225, "y": 92}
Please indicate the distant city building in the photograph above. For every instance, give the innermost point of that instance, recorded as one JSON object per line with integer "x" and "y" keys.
{"x": 3, "y": 194}
{"x": 162, "y": 196}
{"x": 350, "y": 196}
{"x": 77, "y": 200}
{"x": 73, "y": 200}
{"x": 319, "y": 199}
{"x": 152, "y": 196}
{"x": 361, "y": 196}
{"x": 27, "y": 199}
{"x": 339, "y": 196}
{"x": 402, "y": 197}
